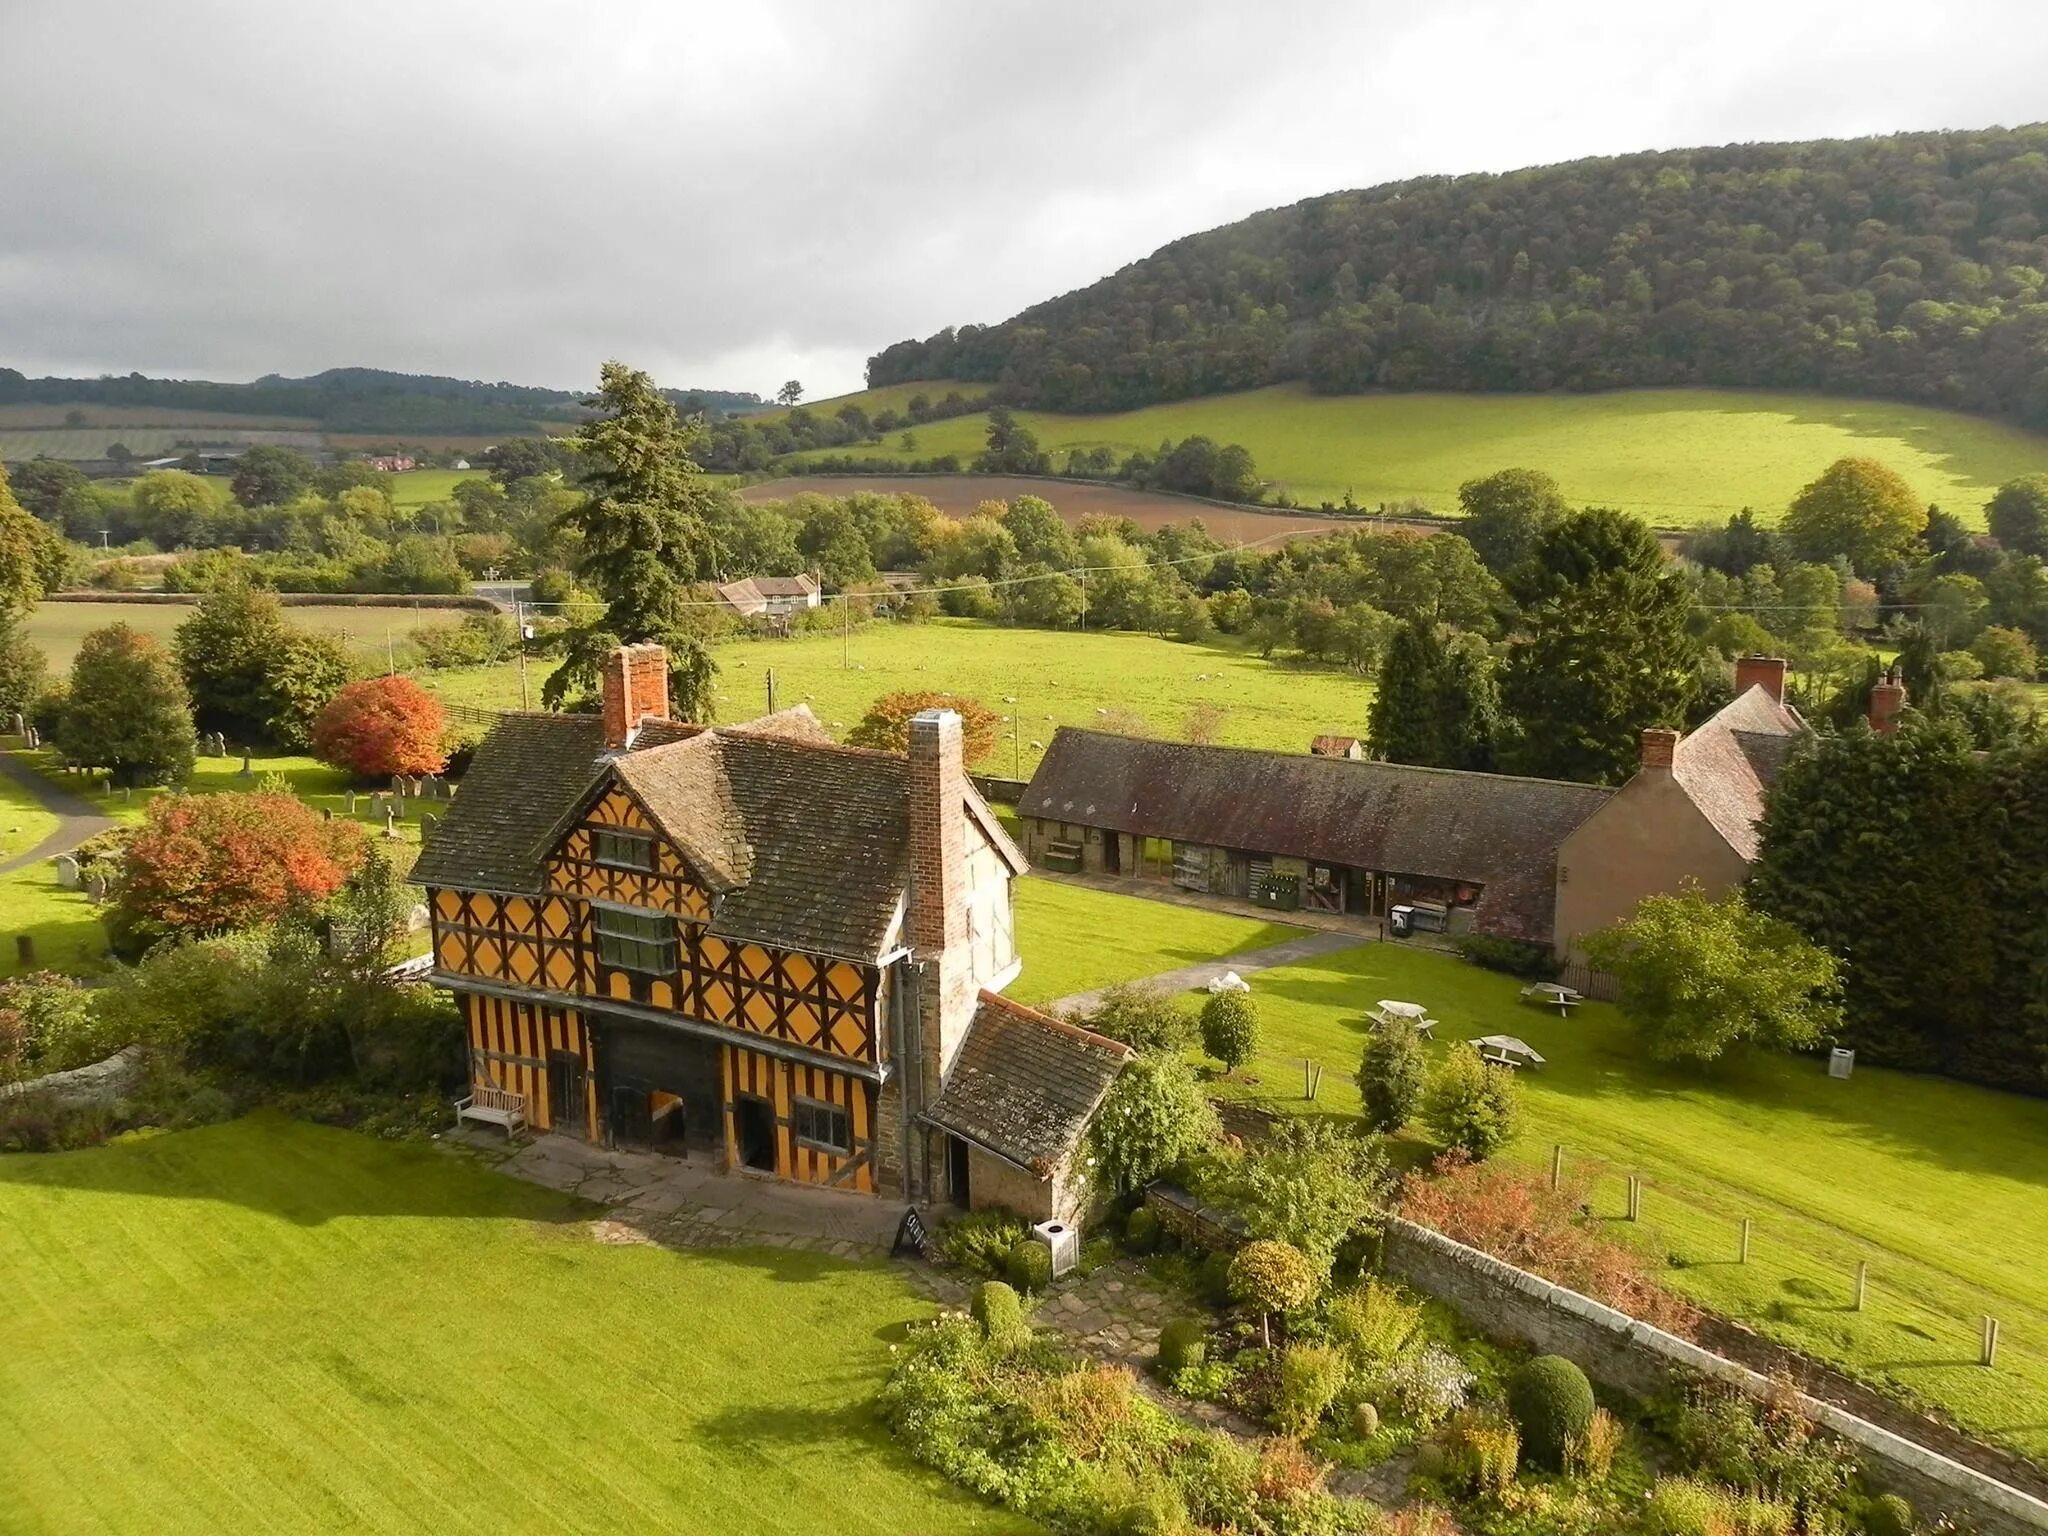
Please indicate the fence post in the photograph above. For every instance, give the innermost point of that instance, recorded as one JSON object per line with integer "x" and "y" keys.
{"x": 1635, "y": 1198}
{"x": 1989, "y": 1356}
{"x": 1744, "y": 1259}
{"x": 1862, "y": 1281}
{"x": 1556, "y": 1165}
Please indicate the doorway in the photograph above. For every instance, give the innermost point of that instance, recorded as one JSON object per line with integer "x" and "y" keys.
{"x": 956, "y": 1171}
{"x": 1112, "y": 853}
{"x": 754, "y": 1129}
{"x": 565, "y": 1093}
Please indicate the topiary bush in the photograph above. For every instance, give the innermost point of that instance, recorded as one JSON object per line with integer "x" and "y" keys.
{"x": 1888, "y": 1515}
{"x": 1000, "y": 1311}
{"x": 1141, "y": 1231}
{"x": 1183, "y": 1343}
{"x": 1273, "y": 1277}
{"x": 1391, "y": 1075}
{"x": 1311, "y": 1376}
{"x": 1214, "y": 1278}
{"x": 1365, "y": 1421}
{"x": 1030, "y": 1267}
{"x": 1230, "y": 1028}
{"x": 1552, "y": 1403}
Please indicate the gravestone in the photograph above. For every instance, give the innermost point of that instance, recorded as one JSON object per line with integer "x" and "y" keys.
{"x": 25, "y": 951}
{"x": 20, "y": 724}
{"x": 220, "y": 743}
{"x": 398, "y": 783}
{"x": 351, "y": 802}
{"x": 96, "y": 887}
{"x": 35, "y": 738}
{"x": 248, "y": 768}
{"x": 327, "y": 813}
{"x": 390, "y": 822}
{"x": 417, "y": 918}
{"x": 67, "y": 873}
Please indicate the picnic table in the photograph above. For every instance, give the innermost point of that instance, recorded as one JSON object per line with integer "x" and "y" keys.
{"x": 1551, "y": 994}
{"x": 1507, "y": 1051}
{"x": 1388, "y": 1010}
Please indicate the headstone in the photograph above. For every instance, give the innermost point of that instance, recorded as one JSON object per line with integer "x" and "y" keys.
{"x": 351, "y": 802}
{"x": 327, "y": 813}
{"x": 220, "y": 743}
{"x": 127, "y": 792}
{"x": 428, "y": 821}
{"x": 417, "y": 918}
{"x": 67, "y": 873}
{"x": 398, "y": 783}
{"x": 390, "y": 822}
{"x": 96, "y": 887}
{"x": 248, "y": 769}
{"x": 25, "y": 951}
{"x": 20, "y": 724}
{"x": 35, "y": 738}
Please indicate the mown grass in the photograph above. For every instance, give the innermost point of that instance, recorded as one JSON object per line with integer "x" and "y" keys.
{"x": 271, "y": 1326}
{"x": 1074, "y": 939}
{"x": 1676, "y": 456}
{"x": 23, "y": 821}
{"x": 418, "y": 487}
{"x": 1056, "y": 677}
{"x": 1941, "y": 1187}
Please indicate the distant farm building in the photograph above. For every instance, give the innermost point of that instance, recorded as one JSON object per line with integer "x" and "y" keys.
{"x": 1337, "y": 746}
{"x": 200, "y": 461}
{"x": 773, "y": 597}
{"x": 392, "y": 463}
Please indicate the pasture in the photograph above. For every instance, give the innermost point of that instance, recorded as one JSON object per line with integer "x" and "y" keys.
{"x": 1938, "y": 1185}
{"x": 368, "y": 630}
{"x": 1674, "y": 456}
{"x": 269, "y": 1325}
{"x": 17, "y": 443}
{"x": 418, "y": 487}
{"x": 1055, "y": 677}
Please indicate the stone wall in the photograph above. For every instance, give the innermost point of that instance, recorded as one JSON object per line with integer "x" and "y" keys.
{"x": 1634, "y": 1357}
{"x": 103, "y": 1082}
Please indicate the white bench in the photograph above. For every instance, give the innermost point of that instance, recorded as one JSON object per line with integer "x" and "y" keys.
{"x": 494, "y": 1106}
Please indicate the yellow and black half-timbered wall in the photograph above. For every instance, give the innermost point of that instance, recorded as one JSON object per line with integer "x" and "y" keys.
{"x": 686, "y": 1039}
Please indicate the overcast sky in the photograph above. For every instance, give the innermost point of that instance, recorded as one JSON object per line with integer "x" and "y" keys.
{"x": 730, "y": 195}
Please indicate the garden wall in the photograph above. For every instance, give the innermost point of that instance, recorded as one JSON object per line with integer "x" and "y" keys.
{"x": 1634, "y": 1357}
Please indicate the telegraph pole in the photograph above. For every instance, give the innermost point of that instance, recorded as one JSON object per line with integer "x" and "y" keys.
{"x": 519, "y": 621}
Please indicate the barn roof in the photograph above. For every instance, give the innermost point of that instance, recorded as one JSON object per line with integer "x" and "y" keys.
{"x": 1025, "y": 1084}
{"x": 1487, "y": 829}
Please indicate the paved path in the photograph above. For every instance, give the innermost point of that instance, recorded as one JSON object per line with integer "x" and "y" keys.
{"x": 1245, "y": 963}
{"x": 77, "y": 817}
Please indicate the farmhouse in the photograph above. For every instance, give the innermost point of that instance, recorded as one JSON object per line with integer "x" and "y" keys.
{"x": 773, "y": 597}
{"x": 752, "y": 943}
{"x": 1533, "y": 860}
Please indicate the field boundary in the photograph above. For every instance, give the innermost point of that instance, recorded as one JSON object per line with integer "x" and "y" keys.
{"x": 453, "y": 601}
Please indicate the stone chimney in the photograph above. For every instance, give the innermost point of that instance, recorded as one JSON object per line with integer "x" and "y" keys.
{"x": 1659, "y": 748}
{"x": 1766, "y": 672}
{"x": 635, "y": 689}
{"x": 1887, "y": 698}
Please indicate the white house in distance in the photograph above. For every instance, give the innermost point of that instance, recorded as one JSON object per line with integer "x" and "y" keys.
{"x": 774, "y": 597}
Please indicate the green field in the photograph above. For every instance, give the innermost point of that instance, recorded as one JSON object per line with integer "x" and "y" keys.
{"x": 1056, "y": 677}
{"x": 145, "y": 441}
{"x": 417, "y": 487}
{"x": 1676, "y": 456}
{"x": 891, "y": 397}
{"x": 1941, "y": 1187}
{"x": 369, "y": 631}
{"x": 271, "y": 1326}
{"x": 1074, "y": 939}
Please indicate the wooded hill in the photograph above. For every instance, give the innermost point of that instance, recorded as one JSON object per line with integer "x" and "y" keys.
{"x": 1910, "y": 267}
{"x": 354, "y": 400}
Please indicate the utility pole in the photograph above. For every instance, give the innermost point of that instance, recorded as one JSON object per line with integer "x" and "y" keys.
{"x": 390, "y": 654}
{"x": 519, "y": 619}
{"x": 771, "y": 690}
{"x": 845, "y": 631}
{"x": 1084, "y": 599}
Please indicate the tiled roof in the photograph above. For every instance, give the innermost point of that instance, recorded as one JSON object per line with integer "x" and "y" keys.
{"x": 1025, "y": 1084}
{"x": 1726, "y": 766}
{"x": 1333, "y": 746}
{"x": 530, "y": 772}
{"x": 1487, "y": 829}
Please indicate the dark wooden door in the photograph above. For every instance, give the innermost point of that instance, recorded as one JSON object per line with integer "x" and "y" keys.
{"x": 565, "y": 1093}
{"x": 754, "y": 1126}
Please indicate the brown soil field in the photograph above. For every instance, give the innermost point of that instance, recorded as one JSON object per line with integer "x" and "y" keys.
{"x": 32, "y": 414}
{"x": 959, "y": 495}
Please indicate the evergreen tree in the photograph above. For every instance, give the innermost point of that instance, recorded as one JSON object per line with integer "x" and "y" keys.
{"x": 643, "y": 540}
{"x": 127, "y": 710}
{"x": 1406, "y": 726}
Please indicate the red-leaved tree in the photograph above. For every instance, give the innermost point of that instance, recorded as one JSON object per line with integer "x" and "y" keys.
{"x": 206, "y": 864}
{"x": 380, "y": 727}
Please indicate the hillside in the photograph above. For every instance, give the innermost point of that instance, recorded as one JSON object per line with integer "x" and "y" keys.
{"x": 1908, "y": 267}
{"x": 1675, "y": 457}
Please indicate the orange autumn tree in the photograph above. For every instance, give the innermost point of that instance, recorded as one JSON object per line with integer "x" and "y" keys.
{"x": 886, "y": 725}
{"x": 208, "y": 864}
{"x": 379, "y": 727}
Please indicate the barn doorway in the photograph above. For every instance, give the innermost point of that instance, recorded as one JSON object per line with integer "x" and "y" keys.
{"x": 956, "y": 1171}
{"x": 754, "y": 1129}
{"x": 1112, "y": 853}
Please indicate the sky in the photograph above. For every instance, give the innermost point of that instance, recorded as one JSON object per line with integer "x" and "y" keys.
{"x": 733, "y": 195}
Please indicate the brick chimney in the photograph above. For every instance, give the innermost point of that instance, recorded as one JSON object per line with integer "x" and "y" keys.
{"x": 1659, "y": 747}
{"x": 1887, "y": 698}
{"x": 937, "y": 786}
{"x": 1766, "y": 672}
{"x": 635, "y": 689}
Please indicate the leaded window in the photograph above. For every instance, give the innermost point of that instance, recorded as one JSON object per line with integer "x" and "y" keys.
{"x": 632, "y": 940}
{"x": 825, "y": 1127}
{"x": 623, "y": 850}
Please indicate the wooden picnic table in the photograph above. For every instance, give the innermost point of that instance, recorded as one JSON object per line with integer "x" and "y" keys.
{"x": 1389, "y": 1010}
{"x": 1508, "y": 1051}
{"x": 1551, "y": 994}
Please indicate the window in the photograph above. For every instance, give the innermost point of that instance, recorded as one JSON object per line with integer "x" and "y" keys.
{"x": 630, "y": 940}
{"x": 822, "y": 1126}
{"x": 624, "y": 850}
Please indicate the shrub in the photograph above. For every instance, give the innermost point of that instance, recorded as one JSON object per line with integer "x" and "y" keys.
{"x": 1375, "y": 1325}
{"x": 1470, "y": 1106}
{"x": 1888, "y": 1515}
{"x": 1391, "y": 1075}
{"x": 1591, "y": 1455}
{"x": 1311, "y": 1376}
{"x": 1145, "y": 1021}
{"x": 1000, "y": 1311}
{"x": 1430, "y": 1384}
{"x": 381, "y": 726}
{"x": 1141, "y": 1230}
{"x": 46, "y": 1025}
{"x": 981, "y": 1241}
{"x": 1214, "y": 1278}
{"x": 1153, "y": 1117}
{"x": 1312, "y": 1184}
{"x": 1273, "y": 1277}
{"x": 1552, "y": 1402}
{"x": 2006, "y": 652}
{"x": 1183, "y": 1343}
{"x": 1531, "y": 962}
{"x": 1365, "y": 1421}
{"x": 1230, "y": 1028}
{"x": 1030, "y": 1267}
{"x": 1484, "y": 1448}
{"x": 1680, "y": 1506}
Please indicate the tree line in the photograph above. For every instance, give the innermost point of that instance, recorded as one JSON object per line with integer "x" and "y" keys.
{"x": 1909, "y": 267}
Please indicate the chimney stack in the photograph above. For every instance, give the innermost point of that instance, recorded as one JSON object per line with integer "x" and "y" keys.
{"x": 1887, "y": 698}
{"x": 635, "y": 689}
{"x": 1659, "y": 747}
{"x": 1766, "y": 672}
{"x": 937, "y": 786}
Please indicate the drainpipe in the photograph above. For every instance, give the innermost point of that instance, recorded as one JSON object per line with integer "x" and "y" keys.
{"x": 907, "y": 1044}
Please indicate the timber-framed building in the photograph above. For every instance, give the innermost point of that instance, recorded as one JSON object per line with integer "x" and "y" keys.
{"x": 753, "y": 944}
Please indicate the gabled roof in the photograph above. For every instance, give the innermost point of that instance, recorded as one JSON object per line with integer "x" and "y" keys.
{"x": 1487, "y": 829}
{"x": 802, "y": 843}
{"x": 1025, "y": 1084}
{"x": 1333, "y": 746}
{"x": 1726, "y": 767}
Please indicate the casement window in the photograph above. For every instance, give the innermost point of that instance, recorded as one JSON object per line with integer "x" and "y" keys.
{"x": 632, "y": 940}
{"x": 822, "y": 1127}
{"x": 623, "y": 850}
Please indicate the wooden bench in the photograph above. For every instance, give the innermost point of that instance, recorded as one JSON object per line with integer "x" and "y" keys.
{"x": 493, "y": 1106}
{"x": 1063, "y": 856}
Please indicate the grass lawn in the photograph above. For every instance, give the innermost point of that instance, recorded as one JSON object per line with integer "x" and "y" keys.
{"x": 270, "y": 1326}
{"x": 1942, "y": 1187}
{"x": 59, "y": 627}
{"x": 1074, "y": 939}
{"x": 417, "y": 487}
{"x": 1676, "y": 456}
{"x": 23, "y": 821}
{"x": 1057, "y": 677}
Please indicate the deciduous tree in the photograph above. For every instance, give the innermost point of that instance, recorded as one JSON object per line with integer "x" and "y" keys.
{"x": 2018, "y": 515}
{"x": 1858, "y": 510}
{"x": 382, "y": 726}
{"x": 886, "y": 725}
{"x": 21, "y": 580}
{"x": 127, "y": 710}
{"x": 268, "y": 476}
{"x": 1506, "y": 512}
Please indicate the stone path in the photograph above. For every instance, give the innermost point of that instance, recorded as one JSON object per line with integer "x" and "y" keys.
{"x": 77, "y": 817}
{"x": 1188, "y": 977}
